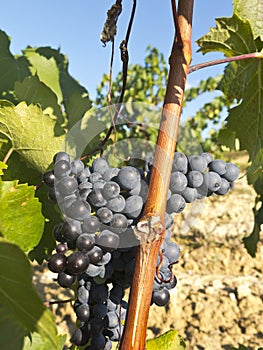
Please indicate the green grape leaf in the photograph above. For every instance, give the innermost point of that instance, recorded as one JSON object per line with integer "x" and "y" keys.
{"x": 242, "y": 80}
{"x": 76, "y": 106}
{"x": 227, "y": 138}
{"x": 18, "y": 168}
{"x": 16, "y": 289}
{"x": 36, "y": 342}
{"x": 11, "y": 332}
{"x": 45, "y": 337}
{"x": 75, "y": 97}
{"x": 252, "y": 240}
{"x": 252, "y": 11}
{"x": 31, "y": 132}
{"x": 47, "y": 243}
{"x": 232, "y": 36}
{"x": 21, "y": 221}
{"x": 246, "y": 119}
{"x": 46, "y": 69}
{"x": 170, "y": 340}
{"x": 3, "y": 166}
{"x": 18, "y": 295}
{"x": 32, "y": 90}
{"x": 12, "y": 68}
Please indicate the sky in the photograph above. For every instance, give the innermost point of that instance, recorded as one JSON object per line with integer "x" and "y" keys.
{"x": 75, "y": 27}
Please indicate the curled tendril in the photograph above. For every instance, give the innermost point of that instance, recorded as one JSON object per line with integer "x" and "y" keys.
{"x": 170, "y": 267}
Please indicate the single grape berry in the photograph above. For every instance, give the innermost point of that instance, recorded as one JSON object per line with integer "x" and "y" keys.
{"x": 61, "y": 169}
{"x": 195, "y": 178}
{"x": 100, "y": 165}
{"x": 110, "y": 190}
{"x": 108, "y": 240}
{"x": 161, "y": 297}
{"x": 116, "y": 204}
{"x": 212, "y": 181}
{"x": 172, "y": 252}
{"x": 133, "y": 206}
{"x": 105, "y": 215}
{"x": 189, "y": 194}
{"x": 49, "y": 178}
{"x": 224, "y": 188}
{"x": 77, "y": 166}
{"x": 232, "y": 172}
{"x": 66, "y": 280}
{"x": 66, "y": 186}
{"x": 112, "y": 319}
{"x": 77, "y": 262}
{"x": 175, "y": 204}
{"x": 91, "y": 224}
{"x": 100, "y": 311}
{"x": 128, "y": 177}
{"x": 208, "y": 156}
{"x": 80, "y": 336}
{"x": 95, "y": 255}
{"x": 70, "y": 230}
{"x": 85, "y": 242}
{"x": 96, "y": 199}
{"x": 218, "y": 166}
{"x": 98, "y": 342}
{"x": 61, "y": 156}
{"x": 198, "y": 163}
{"x": 178, "y": 182}
{"x": 83, "y": 312}
{"x": 78, "y": 210}
{"x": 62, "y": 248}
{"x": 119, "y": 223}
{"x": 57, "y": 262}
{"x": 180, "y": 163}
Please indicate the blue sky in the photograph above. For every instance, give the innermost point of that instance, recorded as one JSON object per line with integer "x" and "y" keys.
{"x": 75, "y": 27}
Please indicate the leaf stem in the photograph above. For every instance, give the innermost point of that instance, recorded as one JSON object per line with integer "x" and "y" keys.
{"x": 8, "y": 154}
{"x": 225, "y": 60}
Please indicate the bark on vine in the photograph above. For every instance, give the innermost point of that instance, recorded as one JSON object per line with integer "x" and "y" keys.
{"x": 150, "y": 229}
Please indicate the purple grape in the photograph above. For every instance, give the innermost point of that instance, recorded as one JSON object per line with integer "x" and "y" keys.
{"x": 128, "y": 177}
{"x": 180, "y": 163}
{"x": 218, "y": 166}
{"x": 49, "y": 178}
{"x": 57, "y": 262}
{"x": 83, "y": 312}
{"x": 232, "y": 172}
{"x": 61, "y": 169}
{"x": 161, "y": 297}
{"x": 100, "y": 165}
{"x": 78, "y": 210}
{"x": 85, "y": 242}
{"x": 77, "y": 262}
{"x": 178, "y": 182}
{"x": 108, "y": 240}
{"x": 66, "y": 280}
{"x": 198, "y": 163}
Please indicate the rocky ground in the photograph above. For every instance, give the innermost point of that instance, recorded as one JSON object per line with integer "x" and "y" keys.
{"x": 218, "y": 302}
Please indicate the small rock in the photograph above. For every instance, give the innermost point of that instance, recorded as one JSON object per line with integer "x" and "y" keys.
{"x": 232, "y": 296}
{"x": 243, "y": 291}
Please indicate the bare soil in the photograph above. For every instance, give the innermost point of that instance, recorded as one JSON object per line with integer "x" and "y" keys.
{"x": 218, "y": 302}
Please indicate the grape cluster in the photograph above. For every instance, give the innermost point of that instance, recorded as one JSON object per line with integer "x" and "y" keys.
{"x": 196, "y": 177}
{"x": 97, "y": 247}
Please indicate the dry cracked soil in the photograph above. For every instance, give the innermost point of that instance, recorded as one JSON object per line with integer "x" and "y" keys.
{"x": 218, "y": 301}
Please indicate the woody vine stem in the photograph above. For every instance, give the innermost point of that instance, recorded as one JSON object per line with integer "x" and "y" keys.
{"x": 150, "y": 228}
